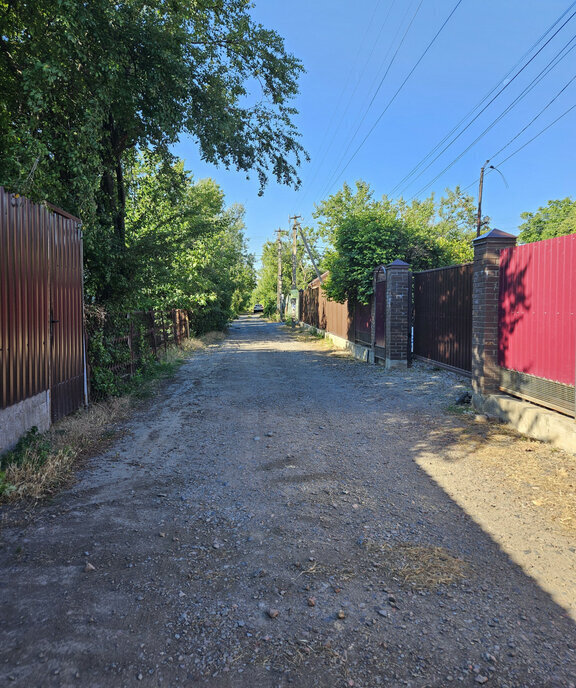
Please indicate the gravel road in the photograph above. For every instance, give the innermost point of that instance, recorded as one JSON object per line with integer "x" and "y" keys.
{"x": 281, "y": 515}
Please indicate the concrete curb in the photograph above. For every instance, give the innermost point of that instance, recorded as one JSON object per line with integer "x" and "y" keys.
{"x": 361, "y": 353}
{"x": 529, "y": 419}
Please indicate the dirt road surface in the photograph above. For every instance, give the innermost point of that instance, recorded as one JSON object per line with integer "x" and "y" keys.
{"x": 281, "y": 515}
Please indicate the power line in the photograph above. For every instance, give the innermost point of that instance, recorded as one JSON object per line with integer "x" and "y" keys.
{"x": 367, "y": 110}
{"x": 531, "y": 122}
{"x": 538, "y": 134}
{"x": 347, "y": 82}
{"x": 399, "y": 90}
{"x": 544, "y": 72}
{"x": 455, "y": 129}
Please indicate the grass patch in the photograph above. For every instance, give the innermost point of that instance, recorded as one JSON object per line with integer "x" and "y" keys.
{"x": 460, "y": 409}
{"x": 34, "y": 467}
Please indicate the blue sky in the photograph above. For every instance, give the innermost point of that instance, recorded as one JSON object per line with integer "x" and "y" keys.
{"x": 347, "y": 48}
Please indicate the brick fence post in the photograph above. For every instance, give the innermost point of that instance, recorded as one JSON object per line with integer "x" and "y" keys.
{"x": 398, "y": 314}
{"x": 485, "y": 294}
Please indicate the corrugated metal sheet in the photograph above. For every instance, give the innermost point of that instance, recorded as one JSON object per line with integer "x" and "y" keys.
{"x": 537, "y": 306}
{"x": 363, "y": 323}
{"x": 380, "y": 310}
{"x": 318, "y": 311}
{"x": 443, "y": 316}
{"x": 537, "y": 321}
{"x": 40, "y": 274}
{"x": 67, "y": 334}
{"x": 24, "y": 299}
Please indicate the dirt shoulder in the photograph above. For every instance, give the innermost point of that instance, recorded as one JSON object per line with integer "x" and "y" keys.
{"x": 283, "y": 515}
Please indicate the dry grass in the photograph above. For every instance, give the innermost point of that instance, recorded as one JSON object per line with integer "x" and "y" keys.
{"x": 543, "y": 476}
{"x": 425, "y": 567}
{"x": 47, "y": 462}
{"x": 36, "y": 477}
{"x": 422, "y": 567}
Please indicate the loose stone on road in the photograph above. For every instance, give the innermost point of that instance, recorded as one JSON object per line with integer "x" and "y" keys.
{"x": 281, "y": 515}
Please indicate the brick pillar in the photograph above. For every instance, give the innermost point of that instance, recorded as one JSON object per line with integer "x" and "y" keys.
{"x": 398, "y": 314}
{"x": 485, "y": 294}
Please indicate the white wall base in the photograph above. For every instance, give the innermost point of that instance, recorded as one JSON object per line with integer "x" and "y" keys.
{"x": 19, "y": 418}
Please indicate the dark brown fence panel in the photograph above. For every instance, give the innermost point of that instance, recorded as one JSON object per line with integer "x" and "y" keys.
{"x": 363, "y": 323}
{"x": 443, "y": 316}
{"x": 24, "y": 299}
{"x": 380, "y": 310}
{"x": 66, "y": 332}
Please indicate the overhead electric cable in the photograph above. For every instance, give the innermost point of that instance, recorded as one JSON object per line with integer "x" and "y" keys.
{"x": 425, "y": 52}
{"x": 531, "y": 122}
{"x": 544, "y": 72}
{"x": 367, "y": 110}
{"x": 323, "y": 149}
{"x": 505, "y": 79}
{"x": 538, "y": 134}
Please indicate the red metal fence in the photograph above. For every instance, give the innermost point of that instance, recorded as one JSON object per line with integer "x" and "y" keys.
{"x": 443, "y": 316}
{"x": 537, "y": 321}
{"x": 41, "y": 334}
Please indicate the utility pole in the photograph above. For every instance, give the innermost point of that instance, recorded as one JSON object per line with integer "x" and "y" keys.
{"x": 293, "y": 292}
{"x": 310, "y": 254}
{"x": 294, "y": 248}
{"x": 479, "y": 222}
{"x": 280, "y": 233}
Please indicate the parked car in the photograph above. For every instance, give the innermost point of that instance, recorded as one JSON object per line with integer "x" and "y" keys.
{"x": 258, "y": 308}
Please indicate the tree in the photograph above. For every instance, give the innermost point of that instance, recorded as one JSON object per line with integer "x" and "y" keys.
{"x": 364, "y": 233}
{"x": 86, "y": 83}
{"x": 557, "y": 218}
{"x": 185, "y": 249}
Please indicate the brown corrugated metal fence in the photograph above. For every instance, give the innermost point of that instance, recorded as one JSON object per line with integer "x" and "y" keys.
{"x": 318, "y": 311}
{"x": 41, "y": 331}
{"x": 443, "y": 316}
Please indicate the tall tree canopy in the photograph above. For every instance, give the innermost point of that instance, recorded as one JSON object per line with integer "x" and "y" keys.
{"x": 556, "y": 218}
{"x": 85, "y": 83}
{"x": 363, "y": 233}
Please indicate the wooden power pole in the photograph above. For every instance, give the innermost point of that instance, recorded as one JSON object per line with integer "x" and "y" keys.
{"x": 479, "y": 222}
{"x": 280, "y": 233}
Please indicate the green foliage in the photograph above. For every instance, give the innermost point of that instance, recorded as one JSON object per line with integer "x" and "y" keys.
{"x": 363, "y": 233}
{"x": 32, "y": 441}
{"x": 557, "y": 218}
{"x": 85, "y": 84}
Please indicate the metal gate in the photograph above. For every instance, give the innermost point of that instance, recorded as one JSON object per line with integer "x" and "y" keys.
{"x": 363, "y": 323}
{"x": 443, "y": 316}
{"x": 66, "y": 326}
{"x": 380, "y": 314}
{"x": 41, "y": 314}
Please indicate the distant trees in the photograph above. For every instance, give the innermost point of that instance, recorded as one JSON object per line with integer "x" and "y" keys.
{"x": 362, "y": 233}
{"x": 184, "y": 248}
{"x": 556, "y": 218}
